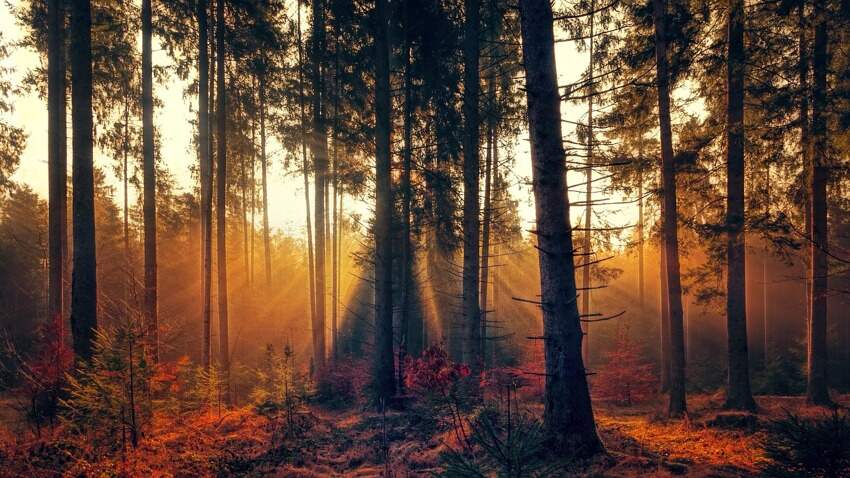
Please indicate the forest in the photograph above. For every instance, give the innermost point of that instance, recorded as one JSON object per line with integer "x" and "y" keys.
{"x": 404, "y": 238}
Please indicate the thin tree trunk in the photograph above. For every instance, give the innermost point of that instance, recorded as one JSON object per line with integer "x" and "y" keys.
{"x": 488, "y": 216}
{"x": 253, "y": 195}
{"x": 263, "y": 166}
{"x": 384, "y": 377}
{"x": 765, "y": 289}
{"x": 206, "y": 174}
{"x": 738, "y": 394}
{"x": 665, "y": 313}
{"x": 817, "y": 390}
{"x": 126, "y": 210}
{"x": 471, "y": 200}
{"x": 57, "y": 163}
{"x": 244, "y": 210}
{"x": 310, "y": 263}
{"x": 640, "y": 232}
{"x": 406, "y": 250}
{"x": 568, "y": 413}
{"x": 84, "y": 282}
{"x": 320, "y": 159}
{"x": 588, "y": 208}
{"x": 335, "y": 230}
{"x": 677, "y": 405}
{"x": 149, "y": 205}
{"x": 221, "y": 207}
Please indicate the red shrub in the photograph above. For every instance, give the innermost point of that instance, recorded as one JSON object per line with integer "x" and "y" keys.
{"x": 433, "y": 372}
{"x": 626, "y": 378}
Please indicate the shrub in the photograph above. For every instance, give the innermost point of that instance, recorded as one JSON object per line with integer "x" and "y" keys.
{"x": 626, "y": 378}
{"x": 341, "y": 383}
{"x": 813, "y": 447}
{"x": 507, "y": 443}
{"x": 44, "y": 374}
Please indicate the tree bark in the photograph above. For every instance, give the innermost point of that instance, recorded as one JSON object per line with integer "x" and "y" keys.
{"x": 568, "y": 413}
{"x": 817, "y": 390}
{"x": 84, "y": 282}
{"x": 320, "y": 161}
{"x": 149, "y": 205}
{"x": 311, "y": 278}
{"x": 738, "y": 394}
{"x": 206, "y": 175}
{"x": 471, "y": 201}
{"x": 267, "y": 259}
{"x": 587, "y": 247}
{"x": 221, "y": 206}
{"x": 677, "y": 405}
{"x": 406, "y": 249}
{"x": 57, "y": 163}
{"x": 384, "y": 376}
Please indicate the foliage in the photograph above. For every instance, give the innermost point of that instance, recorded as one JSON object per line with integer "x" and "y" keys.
{"x": 626, "y": 378}
{"x": 783, "y": 375}
{"x": 44, "y": 373}
{"x": 110, "y": 396}
{"x": 340, "y": 383}
{"x": 505, "y": 443}
{"x": 809, "y": 447}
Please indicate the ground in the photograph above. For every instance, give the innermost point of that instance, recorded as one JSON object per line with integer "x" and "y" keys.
{"x": 326, "y": 442}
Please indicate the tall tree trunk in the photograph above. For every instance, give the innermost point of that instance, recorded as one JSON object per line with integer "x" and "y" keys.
{"x": 320, "y": 159}
{"x": 335, "y": 230}
{"x": 738, "y": 394}
{"x": 488, "y": 216}
{"x": 568, "y": 413}
{"x": 267, "y": 259}
{"x": 817, "y": 390}
{"x": 765, "y": 288}
{"x": 384, "y": 377}
{"x": 588, "y": 195}
{"x": 206, "y": 174}
{"x": 126, "y": 209}
{"x": 406, "y": 249}
{"x": 57, "y": 163}
{"x": 471, "y": 201}
{"x": 677, "y": 405}
{"x": 665, "y": 314}
{"x": 221, "y": 206}
{"x": 253, "y": 195}
{"x": 149, "y": 205}
{"x": 640, "y": 232}
{"x": 311, "y": 276}
{"x": 243, "y": 183}
{"x": 84, "y": 282}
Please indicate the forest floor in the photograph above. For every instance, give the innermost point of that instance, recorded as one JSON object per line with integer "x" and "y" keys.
{"x": 325, "y": 442}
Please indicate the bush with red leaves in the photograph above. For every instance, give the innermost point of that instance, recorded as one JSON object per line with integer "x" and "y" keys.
{"x": 433, "y": 372}
{"x": 44, "y": 374}
{"x": 626, "y": 378}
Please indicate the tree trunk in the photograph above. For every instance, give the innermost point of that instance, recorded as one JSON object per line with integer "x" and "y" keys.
{"x": 803, "y": 72}
{"x": 221, "y": 206}
{"x": 568, "y": 413}
{"x": 664, "y": 303}
{"x": 406, "y": 249}
{"x": 206, "y": 174}
{"x": 149, "y": 205}
{"x": 267, "y": 259}
{"x": 84, "y": 282}
{"x": 305, "y": 170}
{"x": 488, "y": 217}
{"x": 677, "y": 405}
{"x": 320, "y": 161}
{"x": 738, "y": 394}
{"x": 384, "y": 378}
{"x": 335, "y": 214}
{"x": 587, "y": 247}
{"x": 640, "y": 232}
{"x": 817, "y": 390}
{"x": 471, "y": 201}
{"x": 57, "y": 163}
{"x": 253, "y": 195}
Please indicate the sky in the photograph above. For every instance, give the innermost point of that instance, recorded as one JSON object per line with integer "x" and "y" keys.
{"x": 174, "y": 123}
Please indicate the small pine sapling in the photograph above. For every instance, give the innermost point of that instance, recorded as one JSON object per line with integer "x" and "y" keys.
{"x": 626, "y": 378}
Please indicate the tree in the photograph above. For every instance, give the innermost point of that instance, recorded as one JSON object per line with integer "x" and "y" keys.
{"x": 568, "y": 413}
{"x": 221, "y": 199}
{"x": 471, "y": 173}
{"x": 319, "y": 146}
{"x": 150, "y": 303}
{"x": 57, "y": 157}
{"x": 384, "y": 369}
{"x": 817, "y": 391}
{"x": 677, "y": 405}
{"x": 738, "y": 395}
{"x": 206, "y": 176}
{"x": 84, "y": 281}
